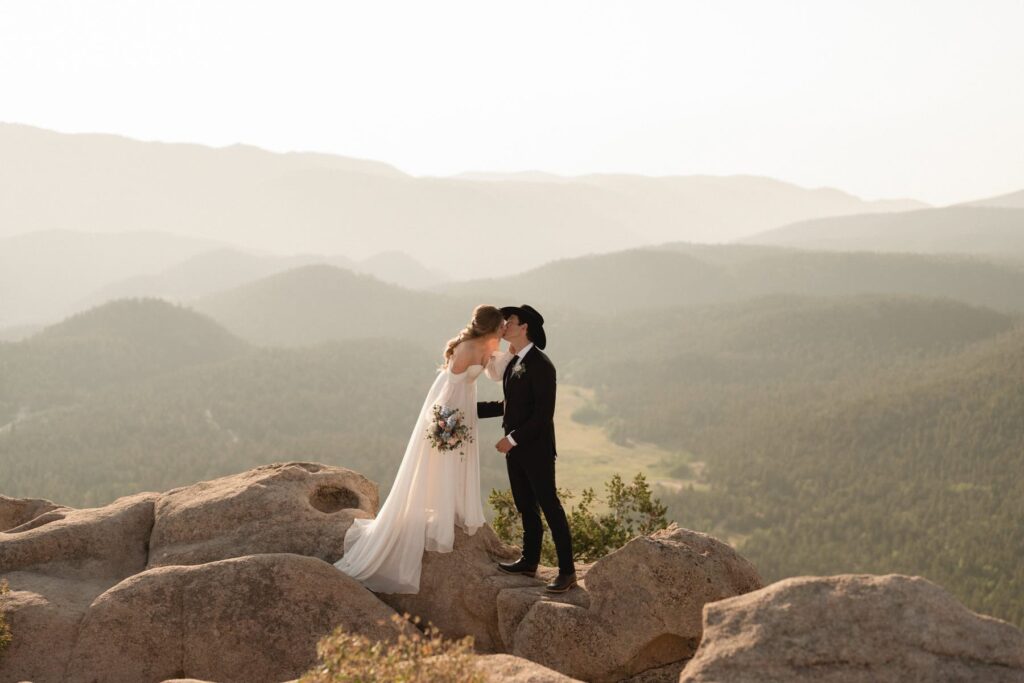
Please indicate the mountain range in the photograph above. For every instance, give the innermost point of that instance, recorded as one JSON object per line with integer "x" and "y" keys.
{"x": 318, "y": 302}
{"x": 687, "y": 274}
{"x": 42, "y": 274}
{"x": 304, "y": 202}
{"x": 1013, "y": 200}
{"x": 992, "y": 229}
{"x": 48, "y": 275}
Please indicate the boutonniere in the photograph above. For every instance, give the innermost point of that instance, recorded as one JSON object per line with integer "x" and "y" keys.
{"x": 519, "y": 370}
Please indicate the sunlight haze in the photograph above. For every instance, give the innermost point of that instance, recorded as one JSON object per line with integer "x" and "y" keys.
{"x": 883, "y": 100}
{"x": 295, "y": 297}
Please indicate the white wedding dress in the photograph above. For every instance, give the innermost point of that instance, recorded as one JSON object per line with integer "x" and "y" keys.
{"x": 433, "y": 491}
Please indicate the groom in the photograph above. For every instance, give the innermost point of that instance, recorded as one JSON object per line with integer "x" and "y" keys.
{"x": 529, "y": 444}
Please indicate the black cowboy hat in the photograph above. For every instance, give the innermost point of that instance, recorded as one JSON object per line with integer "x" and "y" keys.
{"x": 530, "y": 316}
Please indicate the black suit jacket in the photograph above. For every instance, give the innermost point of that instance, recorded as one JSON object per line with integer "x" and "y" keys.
{"x": 529, "y": 405}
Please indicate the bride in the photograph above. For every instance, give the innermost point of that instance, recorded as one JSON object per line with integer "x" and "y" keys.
{"x": 437, "y": 486}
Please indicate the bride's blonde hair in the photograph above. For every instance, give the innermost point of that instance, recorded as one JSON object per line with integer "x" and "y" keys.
{"x": 486, "y": 320}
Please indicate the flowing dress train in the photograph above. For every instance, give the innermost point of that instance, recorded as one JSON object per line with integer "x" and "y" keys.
{"x": 433, "y": 491}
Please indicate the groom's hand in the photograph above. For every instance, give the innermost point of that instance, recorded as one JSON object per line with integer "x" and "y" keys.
{"x": 503, "y": 446}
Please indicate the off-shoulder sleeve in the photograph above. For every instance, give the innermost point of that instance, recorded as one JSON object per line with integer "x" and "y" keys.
{"x": 496, "y": 365}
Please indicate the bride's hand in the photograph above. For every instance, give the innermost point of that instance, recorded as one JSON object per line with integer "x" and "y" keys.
{"x": 496, "y": 364}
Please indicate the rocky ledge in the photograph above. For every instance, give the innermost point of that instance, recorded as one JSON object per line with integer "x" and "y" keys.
{"x": 232, "y": 580}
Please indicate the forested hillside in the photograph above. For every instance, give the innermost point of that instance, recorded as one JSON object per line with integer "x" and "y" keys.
{"x": 876, "y": 435}
{"x": 669, "y": 374}
{"x": 820, "y": 434}
{"x": 143, "y": 395}
{"x": 320, "y": 302}
{"x": 123, "y": 341}
{"x": 922, "y": 475}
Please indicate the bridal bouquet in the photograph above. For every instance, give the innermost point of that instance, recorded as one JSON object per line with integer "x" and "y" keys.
{"x": 448, "y": 430}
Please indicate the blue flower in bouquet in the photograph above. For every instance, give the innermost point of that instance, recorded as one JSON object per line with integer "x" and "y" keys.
{"x": 448, "y": 430}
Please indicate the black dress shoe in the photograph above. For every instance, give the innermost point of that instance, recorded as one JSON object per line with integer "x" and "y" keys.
{"x": 518, "y": 567}
{"x": 561, "y": 584}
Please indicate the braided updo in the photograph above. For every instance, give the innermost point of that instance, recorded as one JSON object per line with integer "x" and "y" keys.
{"x": 486, "y": 320}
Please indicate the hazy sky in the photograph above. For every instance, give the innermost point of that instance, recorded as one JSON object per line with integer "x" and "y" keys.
{"x": 881, "y": 98}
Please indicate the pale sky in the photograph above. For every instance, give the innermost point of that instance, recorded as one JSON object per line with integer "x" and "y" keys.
{"x": 892, "y": 98}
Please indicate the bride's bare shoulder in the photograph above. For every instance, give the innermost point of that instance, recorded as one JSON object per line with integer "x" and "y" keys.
{"x": 464, "y": 355}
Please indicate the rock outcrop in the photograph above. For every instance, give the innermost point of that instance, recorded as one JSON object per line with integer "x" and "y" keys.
{"x": 511, "y": 669}
{"x": 106, "y": 542}
{"x": 17, "y": 511}
{"x": 68, "y": 567}
{"x": 853, "y": 628}
{"x": 56, "y": 563}
{"x": 232, "y": 580}
{"x": 251, "y": 618}
{"x": 43, "y": 613}
{"x": 494, "y": 668}
{"x": 193, "y": 582}
{"x": 640, "y": 608}
{"x": 459, "y": 590}
{"x": 297, "y": 507}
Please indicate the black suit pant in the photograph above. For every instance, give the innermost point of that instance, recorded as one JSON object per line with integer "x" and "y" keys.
{"x": 532, "y": 478}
